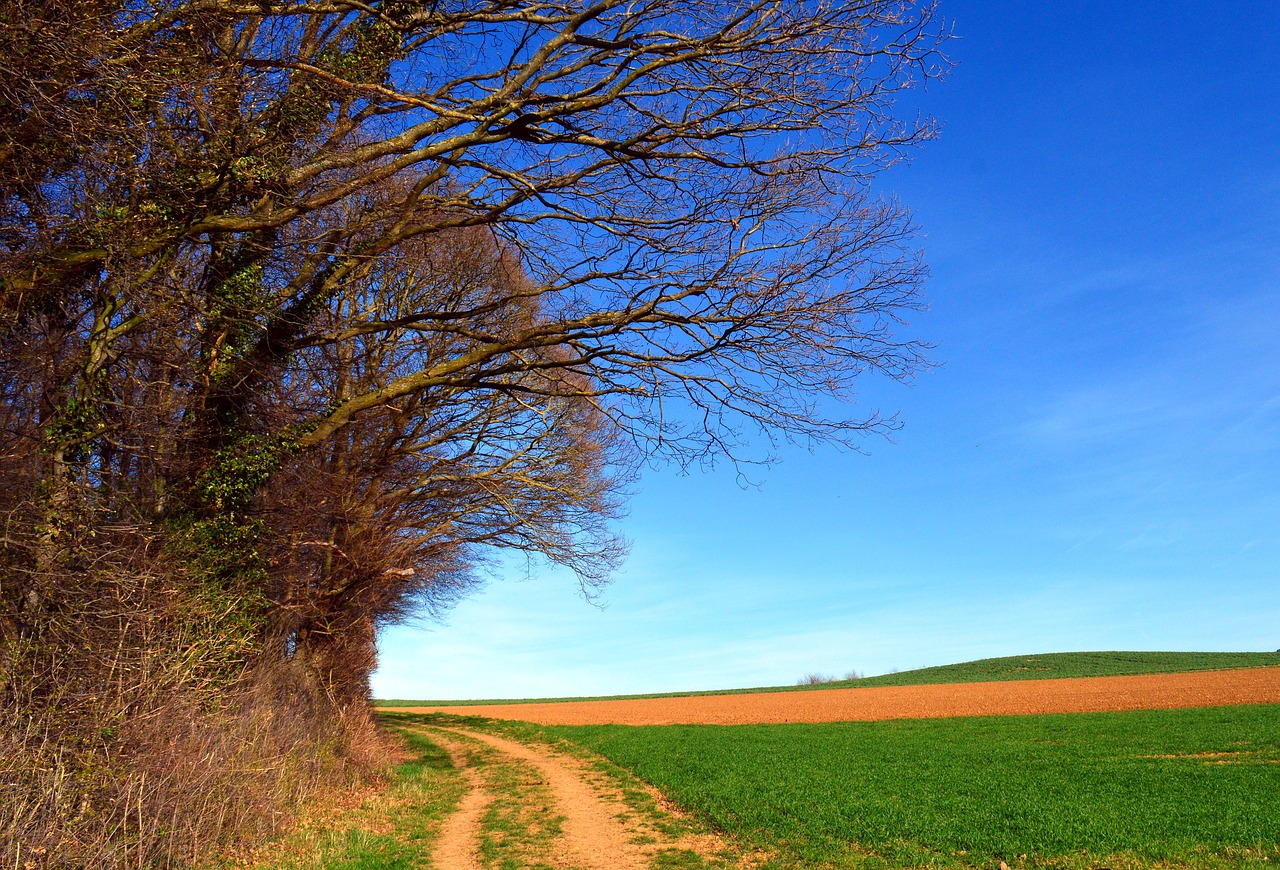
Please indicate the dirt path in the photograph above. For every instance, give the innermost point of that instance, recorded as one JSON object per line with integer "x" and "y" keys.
{"x": 1072, "y": 695}
{"x": 594, "y": 837}
{"x": 597, "y": 832}
{"x": 456, "y": 848}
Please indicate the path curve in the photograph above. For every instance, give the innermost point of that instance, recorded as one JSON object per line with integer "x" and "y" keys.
{"x": 1066, "y": 695}
{"x": 593, "y": 836}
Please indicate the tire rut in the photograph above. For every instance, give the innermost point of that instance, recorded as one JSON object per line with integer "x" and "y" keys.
{"x": 593, "y": 836}
{"x": 460, "y": 835}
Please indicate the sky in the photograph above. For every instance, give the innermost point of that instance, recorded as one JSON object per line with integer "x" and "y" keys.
{"x": 1095, "y": 463}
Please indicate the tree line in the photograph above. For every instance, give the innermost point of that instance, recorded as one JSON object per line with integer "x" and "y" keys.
{"x": 309, "y": 307}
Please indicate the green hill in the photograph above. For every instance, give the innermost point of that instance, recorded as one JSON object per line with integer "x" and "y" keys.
{"x": 1043, "y": 666}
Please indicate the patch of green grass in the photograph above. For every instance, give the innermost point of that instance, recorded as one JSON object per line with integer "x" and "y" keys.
{"x": 1183, "y": 788}
{"x": 1032, "y": 667}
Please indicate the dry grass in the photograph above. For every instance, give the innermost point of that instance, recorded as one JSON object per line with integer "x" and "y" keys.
{"x": 127, "y": 754}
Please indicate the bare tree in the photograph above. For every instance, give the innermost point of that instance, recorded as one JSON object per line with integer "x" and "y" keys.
{"x": 687, "y": 184}
{"x": 384, "y": 520}
{"x": 306, "y": 305}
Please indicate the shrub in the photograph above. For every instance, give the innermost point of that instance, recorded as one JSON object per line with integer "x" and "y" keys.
{"x": 814, "y": 679}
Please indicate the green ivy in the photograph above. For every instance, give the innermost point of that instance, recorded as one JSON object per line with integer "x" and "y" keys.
{"x": 74, "y": 426}
{"x": 236, "y": 302}
{"x": 239, "y": 470}
{"x": 369, "y": 54}
{"x": 241, "y": 291}
{"x": 226, "y": 608}
{"x": 253, "y": 170}
{"x": 219, "y": 542}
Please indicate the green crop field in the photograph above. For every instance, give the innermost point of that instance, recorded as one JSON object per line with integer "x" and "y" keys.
{"x": 1169, "y": 788}
{"x": 1042, "y": 666}
{"x": 1077, "y": 664}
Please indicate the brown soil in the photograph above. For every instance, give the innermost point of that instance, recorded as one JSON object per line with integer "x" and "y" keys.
{"x": 1071, "y": 695}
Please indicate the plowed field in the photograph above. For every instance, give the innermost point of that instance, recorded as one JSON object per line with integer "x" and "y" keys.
{"x": 1072, "y": 695}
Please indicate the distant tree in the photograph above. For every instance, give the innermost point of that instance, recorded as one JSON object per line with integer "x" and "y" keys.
{"x": 305, "y": 306}
{"x": 814, "y": 679}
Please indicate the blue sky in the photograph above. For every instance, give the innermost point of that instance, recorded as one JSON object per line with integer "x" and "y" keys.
{"x": 1096, "y": 464}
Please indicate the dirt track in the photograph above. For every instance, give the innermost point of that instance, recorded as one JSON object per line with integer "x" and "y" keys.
{"x": 1073, "y": 695}
{"x": 593, "y": 836}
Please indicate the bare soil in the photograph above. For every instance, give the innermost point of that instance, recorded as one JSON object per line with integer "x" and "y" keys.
{"x": 1068, "y": 695}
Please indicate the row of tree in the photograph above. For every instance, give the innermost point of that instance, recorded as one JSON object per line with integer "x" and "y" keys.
{"x": 307, "y": 305}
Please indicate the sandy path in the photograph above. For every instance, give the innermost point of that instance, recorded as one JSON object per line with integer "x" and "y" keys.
{"x": 460, "y": 835}
{"x": 594, "y": 838}
{"x": 1071, "y": 695}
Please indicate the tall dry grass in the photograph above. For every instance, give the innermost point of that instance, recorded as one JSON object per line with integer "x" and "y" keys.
{"x": 118, "y": 750}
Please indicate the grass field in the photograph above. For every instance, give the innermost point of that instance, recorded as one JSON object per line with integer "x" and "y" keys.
{"x": 1043, "y": 666}
{"x": 1158, "y": 789}
{"x": 1181, "y": 788}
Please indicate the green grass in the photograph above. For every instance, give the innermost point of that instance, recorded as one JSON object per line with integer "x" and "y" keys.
{"x": 1042, "y": 666}
{"x": 394, "y": 828}
{"x": 1184, "y": 788}
{"x": 1084, "y": 664}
